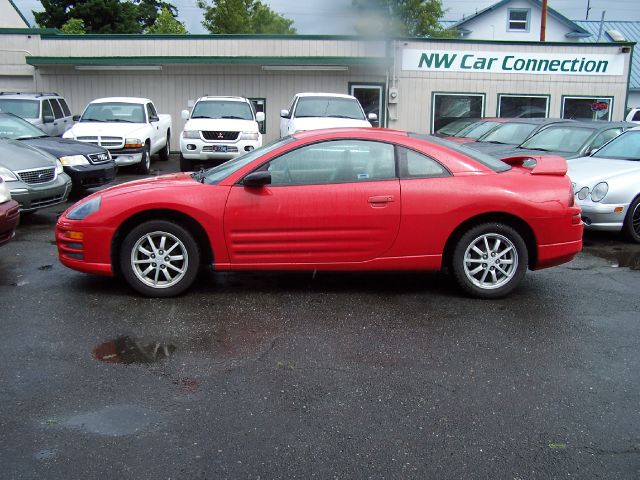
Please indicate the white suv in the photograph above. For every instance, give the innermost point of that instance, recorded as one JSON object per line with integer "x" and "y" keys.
{"x": 47, "y": 111}
{"x": 219, "y": 129}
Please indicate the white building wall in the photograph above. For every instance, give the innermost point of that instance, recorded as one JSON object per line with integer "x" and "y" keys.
{"x": 634, "y": 99}
{"x": 15, "y": 74}
{"x": 9, "y": 17}
{"x": 493, "y": 25}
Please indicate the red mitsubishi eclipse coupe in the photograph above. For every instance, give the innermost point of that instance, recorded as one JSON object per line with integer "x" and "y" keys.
{"x": 344, "y": 199}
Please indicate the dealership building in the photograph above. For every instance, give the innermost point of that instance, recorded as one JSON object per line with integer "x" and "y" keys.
{"x": 412, "y": 84}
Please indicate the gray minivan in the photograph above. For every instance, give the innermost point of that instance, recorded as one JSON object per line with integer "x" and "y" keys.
{"x": 47, "y": 111}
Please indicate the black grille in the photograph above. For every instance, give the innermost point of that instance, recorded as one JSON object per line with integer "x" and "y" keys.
{"x": 99, "y": 157}
{"x": 219, "y": 135}
{"x": 42, "y": 175}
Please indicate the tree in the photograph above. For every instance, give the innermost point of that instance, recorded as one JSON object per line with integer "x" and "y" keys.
{"x": 74, "y": 26}
{"x": 243, "y": 16}
{"x": 415, "y": 18}
{"x": 102, "y": 16}
{"x": 167, "y": 23}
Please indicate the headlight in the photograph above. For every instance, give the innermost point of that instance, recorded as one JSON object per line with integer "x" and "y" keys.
{"x": 191, "y": 134}
{"x": 599, "y": 191}
{"x": 583, "y": 193}
{"x": 5, "y": 194}
{"x": 72, "y": 160}
{"x": 132, "y": 143}
{"x": 59, "y": 168}
{"x": 7, "y": 175}
{"x": 249, "y": 136}
{"x": 85, "y": 209}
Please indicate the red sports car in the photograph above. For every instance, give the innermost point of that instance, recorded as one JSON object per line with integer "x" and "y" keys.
{"x": 344, "y": 199}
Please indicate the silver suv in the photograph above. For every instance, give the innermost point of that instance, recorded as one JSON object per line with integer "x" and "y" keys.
{"x": 47, "y": 111}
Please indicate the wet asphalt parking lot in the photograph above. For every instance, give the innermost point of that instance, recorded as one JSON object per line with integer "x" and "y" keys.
{"x": 261, "y": 375}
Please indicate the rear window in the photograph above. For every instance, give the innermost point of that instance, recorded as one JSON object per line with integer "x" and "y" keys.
{"x": 21, "y": 108}
{"x": 484, "y": 159}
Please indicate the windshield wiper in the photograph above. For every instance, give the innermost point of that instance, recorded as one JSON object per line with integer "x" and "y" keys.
{"x": 201, "y": 116}
{"x": 235, "y": 117}
{"x": 534, "y": 148}
{"x": 344, "y": 116}
{"x": 200, "y": 175}
{"x": 91, "y": 120}
{"x": 118, "y": 120}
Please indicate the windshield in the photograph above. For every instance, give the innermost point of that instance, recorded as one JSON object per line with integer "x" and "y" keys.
{"x": 624, "y": 147}
{"x": 114, "y": 112}
{"x": 456, "y": 126}
{"x": 222, "y": 109}
{"x": 477, "y": 130}
{"x": 21, "y": 108}
{"x": 329, "y": 107}
{"x": 18, "y": 129}
{"x": 214, "y": 175}
{"x": 510, "y": 133}
{"x": 560, "y": 139}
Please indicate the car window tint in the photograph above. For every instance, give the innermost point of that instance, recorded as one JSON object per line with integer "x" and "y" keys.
{"x": 65, "y": 107}
{"x": 416, "y": 165}
{"x": 636, "y": 117}
{"x": 47, "y": 111}
{"x": 57, "y": 109}
{"x": 605, "y": 136}
{"x": 625, "y": 147}
{"x": 509, "y": 133}
{"x": 329, "y": 107}
{"x": 338, "y": 161}
{"x": 566, "y": 139}
{"x": 20, "y": 107}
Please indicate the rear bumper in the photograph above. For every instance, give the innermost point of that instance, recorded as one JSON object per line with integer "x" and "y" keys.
{"x": 557, "y": 254}
{"x": 9, "y": 217}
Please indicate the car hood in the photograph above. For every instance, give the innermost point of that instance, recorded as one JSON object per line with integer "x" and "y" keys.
{"x": 16, "y": 155}
{"x": 91, "y": 129}
{"x": 221, "y": 124}
{"x": 514, "y": 152}
{"x": 173, "y": 181}
{"x": 591, "y": 170}
{"x": 61, "y": 147}
{"x": 315, "y": 123}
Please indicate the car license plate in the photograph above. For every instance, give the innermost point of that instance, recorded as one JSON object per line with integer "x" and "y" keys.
{"x": 220, "y": 148}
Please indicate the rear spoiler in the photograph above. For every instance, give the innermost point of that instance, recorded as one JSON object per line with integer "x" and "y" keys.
{"x": 540, "y": 164}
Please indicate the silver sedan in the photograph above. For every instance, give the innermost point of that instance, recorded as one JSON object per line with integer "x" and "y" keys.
{"x": 607, "y": 185}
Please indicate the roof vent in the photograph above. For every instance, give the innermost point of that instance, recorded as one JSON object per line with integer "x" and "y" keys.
{"x": 616, "y": 36}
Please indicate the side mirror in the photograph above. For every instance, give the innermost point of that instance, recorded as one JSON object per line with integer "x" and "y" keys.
{"x": 372, "y": 117}
{"x": 257, "y": 179}
{"x": 48, "y": 119}
{"x": 154, "y": 119}
{"x": 284, "y": 113}
{"x": 184, "y": 114}
{"x": 76, "y": 118}
{"x": 260, "y": 117}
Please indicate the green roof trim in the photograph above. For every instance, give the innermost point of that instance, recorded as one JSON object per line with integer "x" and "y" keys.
{"x": 28, "y": 31}
{"x": 142, "y": 61}
{"x": 26, "y": 22}
{"x": 199, "y": 36}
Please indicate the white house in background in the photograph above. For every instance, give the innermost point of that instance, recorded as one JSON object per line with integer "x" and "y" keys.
{"x": 10, "y": 16}
{"x": 518, "y": 20}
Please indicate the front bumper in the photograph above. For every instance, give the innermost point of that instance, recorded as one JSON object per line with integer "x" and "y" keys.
{"x": 89, "y": 254}
{"x": 31, "y": 197}
{"x": 603, "y": 216}
{"x": 9, "y": 216}
{"x": 87, "y": 176}
{"x": 197, "y": 150}
{"x": 128, "y": 156}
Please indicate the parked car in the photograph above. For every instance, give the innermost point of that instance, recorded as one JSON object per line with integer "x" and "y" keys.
{"x": 218, "y": 129}
{"x": 570, "y": 140}
{"x": 633, "y": 115}
{"x": 607, "y": 186}
{"x": 130, "y": 128}
{"x": 341, "y": 199}
{"x": 512, "y": 133}
{"x": 35, "y": 178}
{"x": 454, "y": 127}
{"x": 47, "y": 111}
{"x": 312, "y": 111}
{"x": 9, "y": 213}
{"x": 473, "y": 132}
{"x": 87, "y": 165}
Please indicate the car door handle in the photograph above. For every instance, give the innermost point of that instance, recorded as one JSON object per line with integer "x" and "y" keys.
{"x": 380, "y": 199}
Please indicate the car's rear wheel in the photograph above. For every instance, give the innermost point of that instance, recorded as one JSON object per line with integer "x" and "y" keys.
{"x": 159, "y": 258}
{"x": 632, "y": 221}
{"x": 145, "y": 162}
{"x": 164, "y": 153}
{"x": 186, "y": 165}
{"x": 489, "y": 260}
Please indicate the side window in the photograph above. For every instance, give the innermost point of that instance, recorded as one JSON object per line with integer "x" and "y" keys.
{"x": 151, "y": 111}
{"x": 636, "y": 116}
{"x": 338, "y": 161}
{"x": 57, "y": 110}
{"x": 416, "y": 165}
{"x": 47, "y": 111}
{"x": 605, "y": 136}
{"x": 65, "y": 107}
{"x": 293, "y": 102}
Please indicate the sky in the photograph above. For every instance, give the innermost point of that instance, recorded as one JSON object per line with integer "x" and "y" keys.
{"x": 336, "y": 16}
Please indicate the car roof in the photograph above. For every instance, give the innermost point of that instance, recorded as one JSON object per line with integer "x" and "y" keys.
{"x": 222, "y": 97}
{"x": 316, "y": 94}
{"x": 599, "y": 125}
{"x": 28, "y": 95}
{"x": 355, "y": 131}
{"x": 121, "y": 100}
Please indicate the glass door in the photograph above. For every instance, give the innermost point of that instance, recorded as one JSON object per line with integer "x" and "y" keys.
{"x": 371, "y": 97}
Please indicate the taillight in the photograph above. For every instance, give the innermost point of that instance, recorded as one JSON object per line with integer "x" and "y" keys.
{"x": 572, "y": 199}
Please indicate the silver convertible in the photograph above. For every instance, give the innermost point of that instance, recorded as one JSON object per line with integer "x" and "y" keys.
{"x": 607, "y": 185}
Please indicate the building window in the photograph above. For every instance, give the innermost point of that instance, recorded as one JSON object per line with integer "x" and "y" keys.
{"x": 448, "y": 107}
{"x": 519, "y": 19}
{"x": 260, "y": 105}
{"x": 523, "y": 106}
{"x": 370, "y": 96}
{"x": 587, "y": 108}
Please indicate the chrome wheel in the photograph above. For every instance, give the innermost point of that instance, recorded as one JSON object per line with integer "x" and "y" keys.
{"x": 635, "y": 219}
{"x": 490, "y": 261}
{"x": 159, "y": 259}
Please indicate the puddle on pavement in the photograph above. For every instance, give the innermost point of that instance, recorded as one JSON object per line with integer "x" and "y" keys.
{"x": 46, "y": 454}
{"x": 114, "y": 420}
{"x": 619, "y": 257}
{"x": 128, "y": 350}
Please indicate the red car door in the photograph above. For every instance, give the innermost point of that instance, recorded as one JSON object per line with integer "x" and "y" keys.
{"x": 329, "y": 202}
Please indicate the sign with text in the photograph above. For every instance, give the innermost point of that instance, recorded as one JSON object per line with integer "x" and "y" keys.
{"x": 512, "y": 62}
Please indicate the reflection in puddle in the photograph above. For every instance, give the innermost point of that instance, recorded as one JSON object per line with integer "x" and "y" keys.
{"x": 619, "y": 258}
{"x": 128, "y": 350}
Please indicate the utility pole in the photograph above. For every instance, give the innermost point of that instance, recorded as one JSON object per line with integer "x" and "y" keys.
{"x": 543, "y": 22}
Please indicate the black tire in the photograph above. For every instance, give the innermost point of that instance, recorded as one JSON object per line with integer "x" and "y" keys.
{"x": 186, "y": 165}
{"x": 484, "y": 273}
{"x": 164, "y": 153}
{"x": 145, "y": 163}
{"x": 631, "y": 226}
{"x": 134, "y": 261}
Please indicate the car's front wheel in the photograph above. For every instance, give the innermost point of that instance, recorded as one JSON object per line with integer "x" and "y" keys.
{"x": 489, "y": 260}
{"x": 166, "y": 150}
{"x": 159, "y": 258}
{"x": 145, "y": 162}
{"x": 632, "y": 221}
